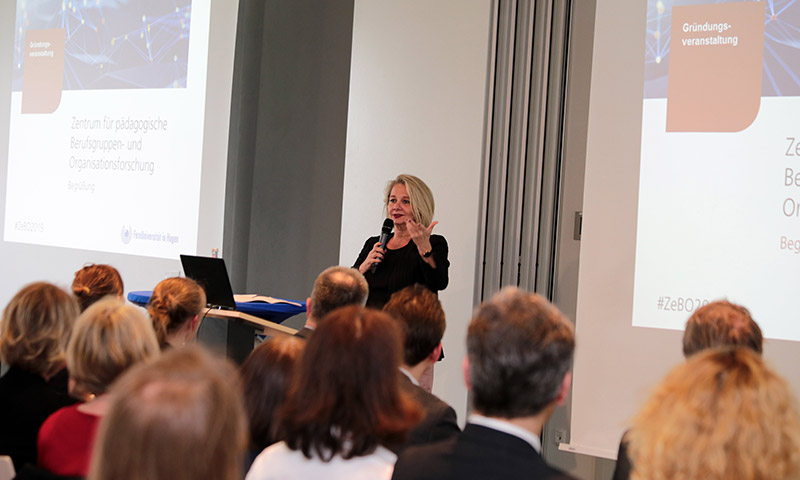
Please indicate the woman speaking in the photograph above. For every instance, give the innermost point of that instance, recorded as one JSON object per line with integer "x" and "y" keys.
{"x": 412, "y": 254}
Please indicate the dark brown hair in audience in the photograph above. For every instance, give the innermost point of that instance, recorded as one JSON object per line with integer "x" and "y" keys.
{"x": 721, "y": 324}
{"x": 422, "y": 319}
{"x": 179, "y": 417}
{"x": 36, "y": 327}
{"x": 520, "y": 348}
{"x": 94, "y": 282}
{"x": 266, "y": 376}
{"x": 347, "y": 399}
{"x": 174, "y": 302}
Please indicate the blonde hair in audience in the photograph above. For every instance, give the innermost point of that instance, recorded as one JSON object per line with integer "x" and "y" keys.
{"x": 108, "y": 337}
{"x": 179, "y": 417}
{"x": 93, "y": 282}
{"x": 35, "y": 328}
{"x": 421, "y": 197}
{"x": 174, "y": 302}
{"x": 723, "y": 414}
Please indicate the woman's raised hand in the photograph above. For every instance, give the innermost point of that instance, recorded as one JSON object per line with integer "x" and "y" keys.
{"x": 420, "y": 234}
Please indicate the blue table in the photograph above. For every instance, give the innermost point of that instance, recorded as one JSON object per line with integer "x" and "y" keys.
{"x": 274, "y": 312}
{"x": 233, "y": 331}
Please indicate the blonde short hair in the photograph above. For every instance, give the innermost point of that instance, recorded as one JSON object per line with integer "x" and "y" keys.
{"x": 723, "y": 414}
{"x": 179, "y": 417}
{"x": 108, "y": 337}
{"x": 35, "y": 328}
{"x": 421, "y": 197}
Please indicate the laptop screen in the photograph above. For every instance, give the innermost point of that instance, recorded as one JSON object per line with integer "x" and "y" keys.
{"x": 212, "y": 275}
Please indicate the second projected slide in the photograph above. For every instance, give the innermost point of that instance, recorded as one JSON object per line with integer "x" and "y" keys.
{"x": 107, "y": 110}
{"x": 719, "y": 187}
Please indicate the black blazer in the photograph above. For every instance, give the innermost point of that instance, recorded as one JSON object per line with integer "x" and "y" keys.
{"x": 479, "y": 453}
{"x": 439, "y": 422}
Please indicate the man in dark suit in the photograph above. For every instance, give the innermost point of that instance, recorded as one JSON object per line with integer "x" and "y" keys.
{"x": 335, "y": 287}
{"x": 421, "y": 318}
{"x": 519, "y": 352}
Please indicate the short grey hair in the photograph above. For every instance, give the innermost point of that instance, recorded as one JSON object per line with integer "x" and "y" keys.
{"x": 337, "y": 287}
{"x": 520, "y": 347}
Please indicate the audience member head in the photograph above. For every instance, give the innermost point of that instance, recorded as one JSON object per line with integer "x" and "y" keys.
{"x": 421, "y": 197}
{"x": 179, "y": 417}
{"x": 175, "y": 308}
{"x": 347, "y": 398}
{"x": 723, "y": 414}
{"x": 421, "y": 319}
{"x": 108, "y": 337}
{"x": 519, "y": 350}
{"x": 35, "y": 328}
{"x": 721, "y": 324}
{"x": 336, "y": 287}
{"x": 94, "y": 282}
{"x": 266, "y": 376}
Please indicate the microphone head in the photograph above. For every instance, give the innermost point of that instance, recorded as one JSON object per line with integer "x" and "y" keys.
{"x": 388, "y": 225}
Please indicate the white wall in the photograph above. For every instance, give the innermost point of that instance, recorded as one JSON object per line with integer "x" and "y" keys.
{"x": 417, "y": 102}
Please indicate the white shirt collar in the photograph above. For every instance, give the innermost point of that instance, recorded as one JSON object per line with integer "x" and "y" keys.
{"x": 410, "y": 377}
{"x": 506, "y": 427}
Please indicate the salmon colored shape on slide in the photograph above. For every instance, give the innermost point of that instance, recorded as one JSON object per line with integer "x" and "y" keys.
{"x": 715, "y": 67}
{"x": 43, "y": 71}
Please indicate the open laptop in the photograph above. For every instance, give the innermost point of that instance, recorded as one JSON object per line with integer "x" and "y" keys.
{"x": 211, "y": 274}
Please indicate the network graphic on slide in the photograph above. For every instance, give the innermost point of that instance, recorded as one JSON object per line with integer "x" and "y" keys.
{"x": 781, "y": 76}
{"x": 111, "y": 44}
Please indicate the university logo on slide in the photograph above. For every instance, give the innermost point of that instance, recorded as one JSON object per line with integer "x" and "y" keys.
{"x": 126, "y": 234}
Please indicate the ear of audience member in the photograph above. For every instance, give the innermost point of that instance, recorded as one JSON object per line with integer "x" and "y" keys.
{"x": 175, "y": 307}
{"x": 723, "y": 414}
{"x": 421, "y": 318}
{"x": 721, "y": 324}
{"x": 520, "y": 350}
{"x": 34, "y": 331}
{"x": 266, "y": 376}
{"x": 93, "y": 282}
{"x": 345, "y": 405}
{"x": 179, "y": 417}
{"x": 108, "y": 338}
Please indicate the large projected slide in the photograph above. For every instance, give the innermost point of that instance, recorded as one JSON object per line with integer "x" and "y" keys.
{"x": 691, "y": 194}
{"x": 106, "y": 122}
{"x": 719, "y": 185}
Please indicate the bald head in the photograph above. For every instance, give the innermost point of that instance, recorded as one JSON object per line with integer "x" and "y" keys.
{"x": 337, "y": 287}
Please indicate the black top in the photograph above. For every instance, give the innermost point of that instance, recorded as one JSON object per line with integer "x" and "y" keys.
{"x": 479, "y": 453}
{"x": 623, "y": 469}
{"x": 26, "y": 400}
{"x": 403, "y": 267}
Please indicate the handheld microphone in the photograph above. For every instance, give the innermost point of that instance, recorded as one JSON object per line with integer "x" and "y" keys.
{"x": 386, "y": 230}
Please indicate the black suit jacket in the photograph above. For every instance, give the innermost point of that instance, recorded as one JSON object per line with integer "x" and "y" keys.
{"x": 479, "y": 453}
{"x": 439, "y": 422}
